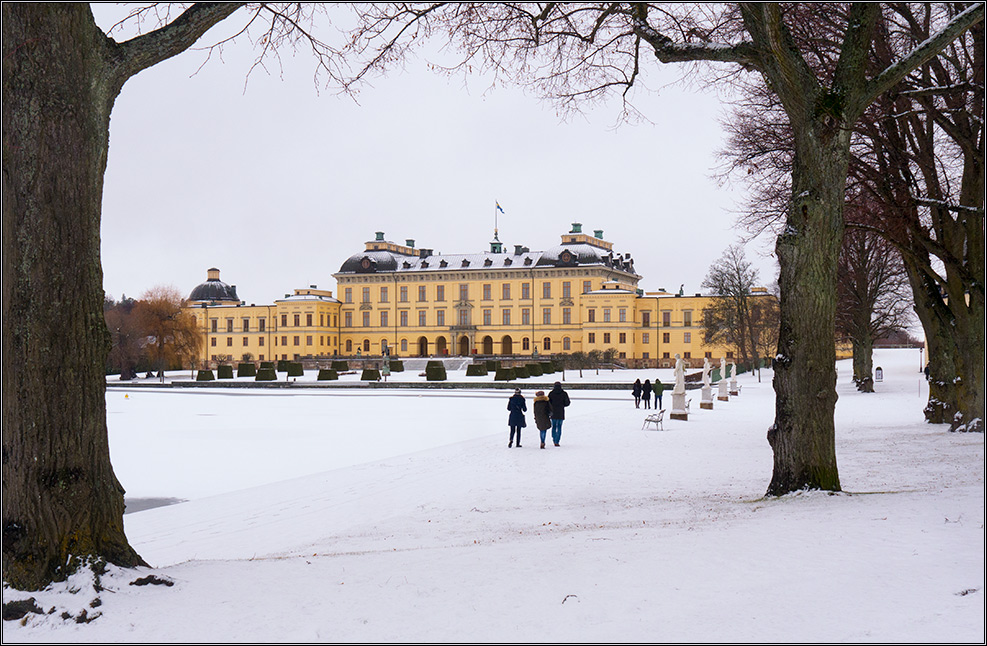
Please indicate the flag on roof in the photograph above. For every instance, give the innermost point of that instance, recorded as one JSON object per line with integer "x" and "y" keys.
{"x": 498, "y": 207}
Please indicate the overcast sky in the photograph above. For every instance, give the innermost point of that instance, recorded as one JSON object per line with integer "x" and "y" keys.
{"x": 276, "y": 183}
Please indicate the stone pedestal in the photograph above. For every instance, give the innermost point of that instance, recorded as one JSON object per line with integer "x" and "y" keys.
{"x": 707, "y": 402}
{"x": 722, "y": 393}
{"x": 733, "y": 387}
{"x": 678, "y": 407}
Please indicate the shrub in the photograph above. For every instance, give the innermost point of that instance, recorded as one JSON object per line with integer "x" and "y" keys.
{"x": 204, "y": 375}
{"x": 295, "y": 369}
{"x": 477, "y": 370}
{"x": 521, "y": 372}
{"x": 267, "y": 364}
{"x": 547, "y": 367}
{"x": 397, "y": 366}
{"x": 370, "y": 374}
{"x": 224, "y": 372}
{"x": 504, "y": 374}
{"x": 340, "y": 366}
{"x": 246, "y": 370}
{"x": 266, "y": 374}
{"x": 534, "y": 370}
{"x": 327, "y": 374}
{"x": 283, "y": 365}
{"x": 435, "y": 371}
{"x": 492, "y": 365}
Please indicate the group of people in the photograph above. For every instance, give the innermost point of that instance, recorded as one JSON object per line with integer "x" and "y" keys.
{"x": 644, "y": 392}
{"x": 549, "y": 412}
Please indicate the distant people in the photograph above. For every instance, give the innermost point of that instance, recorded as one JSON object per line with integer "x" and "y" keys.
{"x": 646, "y": 393}
{"x": 558, "y": 399}
{"x": 658, "y": 387}
{"x": 542, "y": 410}
{"x": 515, "y": 420}
{"x": 926, "y": 371}
{"x": 636, "y": 391}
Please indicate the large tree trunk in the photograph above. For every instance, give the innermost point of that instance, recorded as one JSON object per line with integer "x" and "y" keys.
{"x": 803, "y": 436}
{"x": 61, "y": 500}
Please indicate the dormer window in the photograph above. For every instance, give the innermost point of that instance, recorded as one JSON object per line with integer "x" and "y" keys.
{"x": 466, "y": 263}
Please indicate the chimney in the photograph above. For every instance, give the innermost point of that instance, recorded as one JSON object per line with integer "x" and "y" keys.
{"x": 518, "y": 249}
{"x": 409, "y": 242}
{"x": 380, "y": 236}
{"x": 598, "y": 233}
{"x": 576, "y": 227}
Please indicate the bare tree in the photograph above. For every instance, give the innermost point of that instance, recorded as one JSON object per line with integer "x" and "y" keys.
{"x": 918, "y": 152}
{"x": 127, "y": 347}
{"x": 740, "y": 318}
{"x": 62, "y": 503}
{"x": 173, "y": 335}
{"x": 874, "y": 297}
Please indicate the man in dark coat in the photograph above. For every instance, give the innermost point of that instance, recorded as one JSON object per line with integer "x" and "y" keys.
{"x": 515, "y": 420}
{"x": 558, "y": 399}
{"x": 542, "y": 410}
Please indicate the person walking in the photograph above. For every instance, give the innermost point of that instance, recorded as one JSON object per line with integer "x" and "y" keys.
{"x": 542, "y": 410}
{"x": 657, "y": 387}
{"x": 636, "y": 391}
{"x": 515, "y": 420}
{"x": 646, "y": 393}
{"x": 558, "y": 399}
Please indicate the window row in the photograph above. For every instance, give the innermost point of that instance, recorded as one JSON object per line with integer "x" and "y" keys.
{"x": 506, "y": 293}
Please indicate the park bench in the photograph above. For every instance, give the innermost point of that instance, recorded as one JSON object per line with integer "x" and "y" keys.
{"x": 655, "y": 419}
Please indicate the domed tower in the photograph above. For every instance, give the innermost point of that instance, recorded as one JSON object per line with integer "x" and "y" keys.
{"x": 214, "y": 290}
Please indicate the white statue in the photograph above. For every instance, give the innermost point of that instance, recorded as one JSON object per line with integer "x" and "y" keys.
{"x": 723, "y": 369}
{"x": 706, "y": 369}
{"x": 679, "y": 375}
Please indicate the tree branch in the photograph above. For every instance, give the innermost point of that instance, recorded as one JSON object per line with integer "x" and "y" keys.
{"x": 136, "y": 54}
{"x": 922, "y": 53}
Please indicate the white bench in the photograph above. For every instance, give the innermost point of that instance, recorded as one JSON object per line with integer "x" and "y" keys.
{"x": 655, "y": 419}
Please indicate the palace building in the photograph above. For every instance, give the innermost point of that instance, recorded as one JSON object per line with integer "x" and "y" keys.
{"x": 577, "y": 296}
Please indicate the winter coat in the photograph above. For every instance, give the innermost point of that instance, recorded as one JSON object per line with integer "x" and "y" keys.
{"x": 517, "y": 407}
{"x": 542, "y": 410}
{"x": 646, "y": 389}
{"x": 658, "y": 387}
{"x": 559, "y": 399}
{"x": 636, "y": 390}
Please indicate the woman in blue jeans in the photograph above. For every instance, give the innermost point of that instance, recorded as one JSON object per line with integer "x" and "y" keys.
{"x": 558, "y": 399}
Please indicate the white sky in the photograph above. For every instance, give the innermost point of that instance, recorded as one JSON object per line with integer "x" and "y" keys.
{"x": 276, "y": 183}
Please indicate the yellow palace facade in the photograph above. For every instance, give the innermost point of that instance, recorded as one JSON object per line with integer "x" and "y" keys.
{"x": 577, "y": 296}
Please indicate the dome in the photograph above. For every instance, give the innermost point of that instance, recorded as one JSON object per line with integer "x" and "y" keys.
{"x": 214, "y": 289}
{"x": 375, "y": 261}
{"x": 572, "y": 254}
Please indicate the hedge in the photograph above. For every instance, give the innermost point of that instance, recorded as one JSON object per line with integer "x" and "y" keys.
{"x": 283, "y": 365}
{"x": 477, "y": 370}
{"x": 370, "y": 374}
{"x": 504, "y": 374}
{"x": 224, "y": 372}
{"x": 204, "y": 375}
{"x": 327, "y": 374}
{"x": 340, "y": 366}
{"x": 246, "y": 370}
{"x": 397, "y": 366}
{"x": 521, "y": 372}
{"x": 295, "y": 369}
{"x": 266, "y": 374}
{"x": 435, "y": 371}
{"x": 534, "y": 370}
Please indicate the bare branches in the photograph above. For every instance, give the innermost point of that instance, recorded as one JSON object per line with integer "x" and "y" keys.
{"x": 173, "y": 38}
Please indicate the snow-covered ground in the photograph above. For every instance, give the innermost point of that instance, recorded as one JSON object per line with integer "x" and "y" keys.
{"x": 402, "y": 516}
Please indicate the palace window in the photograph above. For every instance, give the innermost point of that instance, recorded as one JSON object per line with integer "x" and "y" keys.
{"x": 403, "y": 318}
{"x": 566, "y": 289}
{"x": 606, "y": 314}
{"x": 403, "y": 294}
{"x": 506, "y": 315}
{"x": 464, "y": 292}
{"x": 383, "y": 318}
{"x": 229, "y": 325}
{"x": 567, "y": 316}
{"x": 525, "y": 316}
{"x": 421, "y": 294}
{"x": 591, "y": 315}
{"x": 308, "y": 320}
{"x": 566, "y": 343}
{"x": 421, "y": 318}
{"x": 591, "y": 337}
{"x": 622, "y": 337}
{"x": 525, "y": 291}
{"x": 440, "y": 292}
{"x": 366, "y": 319}
{"x": 666, "y": 319}
{"x": 687, "y": 318}
{"x": 546, "y": 316}
{"x": 666, "y": 337}
{"x": 606, "y": 337}
{"x": 688, "y": 337}
{"x": 645, "y": 319}
{"x": 348, "y": 319}
{"x": 505, "y": 292}
{"x": 246, "y": 324}
{"x": 487, "y": 317}
{"x": 298, "y": 320}
{"x": 487, "y": 292}
{"x": 383, "y": 294}
{"x": 347, "y": 296}
{"x": 366, "y": 295}
{"x": 440, "y": 317}
{"x": 546, "y": 290}
{"x": 587, "y": 286}
{"x": 622, "y": 315}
